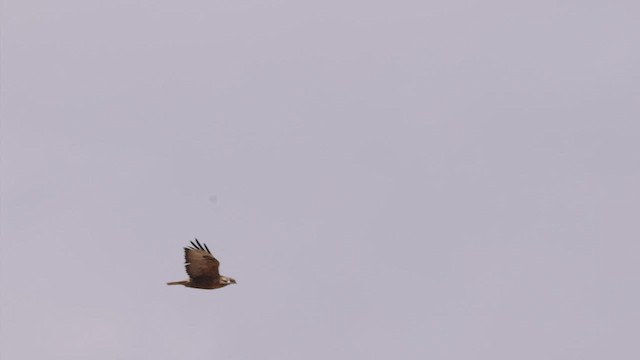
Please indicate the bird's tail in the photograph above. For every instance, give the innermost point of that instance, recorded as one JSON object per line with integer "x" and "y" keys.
{"x": 183, "y": 282}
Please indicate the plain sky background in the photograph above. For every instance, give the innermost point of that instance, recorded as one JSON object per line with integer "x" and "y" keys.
{"x": 385, "y": 179}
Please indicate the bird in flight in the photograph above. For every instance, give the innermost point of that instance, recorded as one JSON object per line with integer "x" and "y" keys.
{"x": 202, "y": 268}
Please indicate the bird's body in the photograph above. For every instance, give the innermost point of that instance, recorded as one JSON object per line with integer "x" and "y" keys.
{"x": 202, "y": 268}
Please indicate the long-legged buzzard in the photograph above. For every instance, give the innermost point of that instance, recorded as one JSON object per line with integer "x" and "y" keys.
{"x": 202, "y": 268}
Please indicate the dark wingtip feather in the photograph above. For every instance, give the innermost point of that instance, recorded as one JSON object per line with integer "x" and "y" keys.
{"x": 199, "y": 246}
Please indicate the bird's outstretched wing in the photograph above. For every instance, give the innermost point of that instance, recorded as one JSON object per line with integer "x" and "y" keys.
{"x": 200, "y": 263}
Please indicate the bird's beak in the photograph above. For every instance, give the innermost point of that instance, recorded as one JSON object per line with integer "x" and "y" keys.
{"x": 233, "y": 281}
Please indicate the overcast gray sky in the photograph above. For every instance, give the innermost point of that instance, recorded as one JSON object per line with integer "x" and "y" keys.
{"x": 385, "y": 180}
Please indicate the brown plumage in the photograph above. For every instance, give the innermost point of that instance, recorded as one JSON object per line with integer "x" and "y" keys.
{"x": 202, "y": 268}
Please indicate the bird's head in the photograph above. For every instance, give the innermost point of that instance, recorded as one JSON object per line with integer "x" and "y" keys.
{"x": 227, "y": 280}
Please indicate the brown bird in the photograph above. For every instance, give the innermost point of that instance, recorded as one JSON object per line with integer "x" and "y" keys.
{"x": 202, "y": 268}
